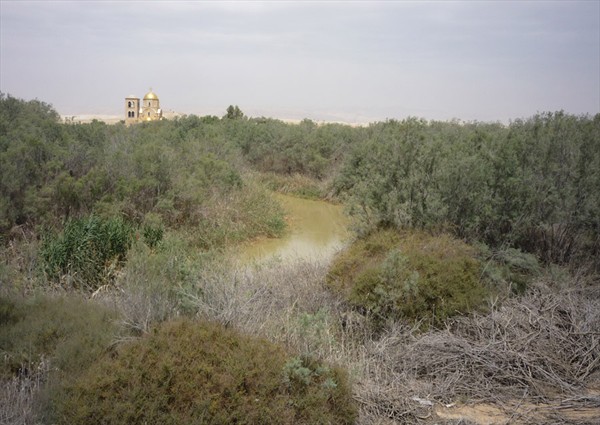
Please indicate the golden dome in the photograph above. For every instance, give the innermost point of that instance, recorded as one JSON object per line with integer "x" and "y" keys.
{"x": 151, "y": 96}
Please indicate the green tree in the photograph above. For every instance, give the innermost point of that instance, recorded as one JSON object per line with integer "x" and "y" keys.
{"x": 234, "y": 112}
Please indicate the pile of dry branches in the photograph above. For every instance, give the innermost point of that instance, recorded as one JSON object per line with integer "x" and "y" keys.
{"x": 541, "y": 349}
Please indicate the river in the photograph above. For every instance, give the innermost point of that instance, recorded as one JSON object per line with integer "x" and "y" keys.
{"x": 316, "y": 230}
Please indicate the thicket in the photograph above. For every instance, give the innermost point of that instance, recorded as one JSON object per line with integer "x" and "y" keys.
{"x": 186, "y": 174}
{"x": 306, "y": 148}
{"x": 88, "y": 190}
{"x": 190, "y": 372}
{"x": 532, "y": 185}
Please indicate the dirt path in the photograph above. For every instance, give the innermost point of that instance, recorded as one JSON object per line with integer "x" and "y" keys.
{"x": 561, "y": 411}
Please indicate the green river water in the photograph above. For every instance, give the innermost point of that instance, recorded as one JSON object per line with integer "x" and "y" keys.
{"x": 316, "y": 230}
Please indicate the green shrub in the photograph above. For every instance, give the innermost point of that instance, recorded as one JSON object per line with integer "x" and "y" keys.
{"x": 509, "y": 269}
{"x": 189, "y": 372}
{"x": 412, "y": 275}
{"x": 296, "y": 184}
{"x": 152, "y": 281}
{"x": 152, "y": 229}
{"x": 85, "y": 251}
{"x": 532, "y": 184}
{"x": 241, "y": 215}
{"x": 68, "y": 332}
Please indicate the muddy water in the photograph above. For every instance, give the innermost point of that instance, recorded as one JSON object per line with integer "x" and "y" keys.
{"x": 316, "y": 229}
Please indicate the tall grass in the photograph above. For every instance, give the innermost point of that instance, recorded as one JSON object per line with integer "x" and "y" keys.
{"x": 284, "y": 302}
{"x": 86, "y": 253}
{"x": 296, "y": 184}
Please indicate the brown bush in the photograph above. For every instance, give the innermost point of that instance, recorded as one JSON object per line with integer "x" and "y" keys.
{"x": 190, "y": 372}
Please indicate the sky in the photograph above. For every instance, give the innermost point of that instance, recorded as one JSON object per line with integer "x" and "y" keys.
{"x": 347, "y": 61}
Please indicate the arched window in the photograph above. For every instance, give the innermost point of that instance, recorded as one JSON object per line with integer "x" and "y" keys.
{"x": 129, "y": 104}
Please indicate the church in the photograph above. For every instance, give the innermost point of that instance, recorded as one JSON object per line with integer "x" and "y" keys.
{"x": 146, "y": 110}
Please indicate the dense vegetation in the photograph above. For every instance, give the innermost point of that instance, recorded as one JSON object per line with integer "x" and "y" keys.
{"x": 409, "y": 275}
{"x": 120, "y": 235}
{"x": 198, "y": 373}
{"x": 531, "y": 185}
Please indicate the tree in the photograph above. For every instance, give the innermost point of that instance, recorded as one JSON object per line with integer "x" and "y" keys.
{"x": 234, "y": 112}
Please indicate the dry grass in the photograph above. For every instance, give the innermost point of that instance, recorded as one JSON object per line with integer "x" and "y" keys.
{"x": 531, "y": 359}
{"x": 18, "y": 396}
{"x": 285, "y": 302}
{"x": 542, "y": 349}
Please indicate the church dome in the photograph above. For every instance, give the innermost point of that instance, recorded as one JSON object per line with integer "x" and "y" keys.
{"x": 151, "y": 96}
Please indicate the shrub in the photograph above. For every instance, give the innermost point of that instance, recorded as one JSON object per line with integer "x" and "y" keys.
{"x": 238, "y": 216}
{"x": 68, "y": 332}
{"x": 85, "y": 250}
{"x": 296, "y": 184}
{"x": 189, "y": 372}
{"x": 151, "y": 282}
{"x": 509, "y": 269}
{"x": 413, "y": 275}
{"x": 44, "y": 341}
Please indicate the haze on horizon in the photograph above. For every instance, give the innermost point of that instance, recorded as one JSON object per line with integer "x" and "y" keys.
{"x": 331, "y": 61}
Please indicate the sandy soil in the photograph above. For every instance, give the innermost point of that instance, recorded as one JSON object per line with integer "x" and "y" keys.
{"x": 521, "y": 413}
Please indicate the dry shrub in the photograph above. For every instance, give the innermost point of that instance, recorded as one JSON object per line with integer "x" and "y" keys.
{"x": 145, "y": 292}
{"x": 284, "y": 302}
{"x": 19, "y": 263}
{"x": 67, "y": 331}
{"x": 19, "y": 402}
{"x": 43, "y": 340}
{"x": 538, "y": 348}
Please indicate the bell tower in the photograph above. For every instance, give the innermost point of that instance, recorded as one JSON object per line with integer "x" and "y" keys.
{"x": 132, "y": 109}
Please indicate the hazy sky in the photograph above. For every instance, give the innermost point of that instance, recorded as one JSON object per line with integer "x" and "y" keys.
{"x": 348, "y": 61}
